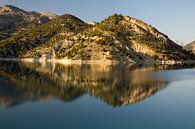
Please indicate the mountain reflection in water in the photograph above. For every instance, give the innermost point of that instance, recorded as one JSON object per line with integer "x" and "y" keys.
{"x": 116, "y": 85}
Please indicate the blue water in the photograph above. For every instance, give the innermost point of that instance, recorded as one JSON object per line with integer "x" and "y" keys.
{"x": 95, "y": 98}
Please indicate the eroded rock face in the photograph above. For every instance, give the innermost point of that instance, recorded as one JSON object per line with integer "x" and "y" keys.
{"x": 143, "y": 49}
{"x": 50, "y": 15}
{"x": 139, "y": 26}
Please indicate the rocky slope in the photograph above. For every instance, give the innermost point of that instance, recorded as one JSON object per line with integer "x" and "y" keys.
{"x": 41, "y": 39}
{"x": 117, "y": 38}
{"x": 190, "y": 47}
{"x": 13, "y": 19}
{"x": 122, "y": 38}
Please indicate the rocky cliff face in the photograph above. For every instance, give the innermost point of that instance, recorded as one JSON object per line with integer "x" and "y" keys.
{"x": 50, "y": 15}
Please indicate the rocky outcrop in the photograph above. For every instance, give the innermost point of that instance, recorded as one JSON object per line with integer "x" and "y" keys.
{"x": 50, "y": 15}
{"x": 141, "y": 27}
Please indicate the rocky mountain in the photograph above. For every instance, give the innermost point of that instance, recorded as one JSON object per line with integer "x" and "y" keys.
{"x": 190, "y": 47}
{"x": 42, "y": 39}
{"x": 13, "y": 19}
{"x": 122, "y": 38}
{"x": 117, "y": 38}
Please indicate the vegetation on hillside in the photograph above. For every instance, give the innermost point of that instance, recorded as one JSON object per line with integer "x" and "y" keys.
{"x": 118, "y": 37}
{"x": 19, "y": 44}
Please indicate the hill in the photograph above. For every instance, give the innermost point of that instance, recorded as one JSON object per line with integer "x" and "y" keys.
{"x": 122, "y": 38}
{"x": 27, "y": 43}
{"x": 117, "y": 38}
{"x": 190, "y": 47}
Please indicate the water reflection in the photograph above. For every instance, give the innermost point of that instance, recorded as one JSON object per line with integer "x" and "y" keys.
{"x": 114, "y": 84}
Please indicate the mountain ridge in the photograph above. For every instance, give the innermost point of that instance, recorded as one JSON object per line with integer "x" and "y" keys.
{"x": 117, "y": 38}
{"x": 14, "y": 19}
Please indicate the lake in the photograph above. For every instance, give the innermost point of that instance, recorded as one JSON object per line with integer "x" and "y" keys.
{"x": 54, "y": 96}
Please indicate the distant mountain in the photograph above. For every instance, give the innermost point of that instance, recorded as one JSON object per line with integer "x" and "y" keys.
{"x": 13, "y": 19}
{"x": 117, "y": 38}
{"x": 190, "y": 47}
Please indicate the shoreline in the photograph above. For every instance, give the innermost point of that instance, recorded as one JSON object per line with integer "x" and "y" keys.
{"x": 66, "y": 61}
{"x": 61, "y": 61}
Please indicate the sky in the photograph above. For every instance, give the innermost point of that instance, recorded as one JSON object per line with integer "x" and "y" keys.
{"x": 175, "y": 18}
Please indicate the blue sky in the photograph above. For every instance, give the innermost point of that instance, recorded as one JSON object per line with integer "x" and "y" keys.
{"x": 176, "y": 18}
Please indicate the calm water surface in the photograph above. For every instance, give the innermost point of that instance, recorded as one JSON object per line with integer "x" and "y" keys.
{"x": 53, "y": 96}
